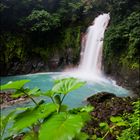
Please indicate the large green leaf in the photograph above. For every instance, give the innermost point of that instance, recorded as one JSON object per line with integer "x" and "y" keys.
{"x": 14, "y": 85}
{"x": 61, "y": 127}
{"x": 48, "y": 93}
{"x": 32, "y": 115}
{"x": 67, "y": 85}
{"x": 4, "y": 121}
{"x": 85, "y": 116}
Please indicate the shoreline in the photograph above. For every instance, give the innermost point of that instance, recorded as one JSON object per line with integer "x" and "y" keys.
{"x": 119, "y": 81}
{"x": 7, "y": 100}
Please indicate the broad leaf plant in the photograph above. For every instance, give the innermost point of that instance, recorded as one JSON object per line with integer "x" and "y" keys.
{"x": 45, "y": 121}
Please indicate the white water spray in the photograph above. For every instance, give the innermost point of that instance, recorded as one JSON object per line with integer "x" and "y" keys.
{"x": 91, "y": 54}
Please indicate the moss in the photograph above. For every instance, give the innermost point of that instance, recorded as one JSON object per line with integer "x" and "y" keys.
{"x": 71, "y": 37}
{"x": 13, "y": 47}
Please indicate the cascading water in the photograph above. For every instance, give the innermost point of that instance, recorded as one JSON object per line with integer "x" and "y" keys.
{"x": 91, "y": 55}
{"x": 91, "y": 59}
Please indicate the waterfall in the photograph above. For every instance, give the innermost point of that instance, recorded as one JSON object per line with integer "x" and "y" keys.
{"x": 91, "y": 53}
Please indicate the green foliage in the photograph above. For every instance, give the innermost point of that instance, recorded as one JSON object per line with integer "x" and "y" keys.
{"x": 47, "y": 120}
{"x": 132, "y": 131}
{"x": 112, "y": 129}
{"x": 41, "y": 20}
{"x": 81, "y": 136}
{"x": 71, "y": 37}
{"x": 83, "y": 112}
{"x": 64, "y": 126}
{"x": 64, "y": 86}
{"x": 41, "y": 28}
{"x": 34, "y": 92}
{"x": 20, "y": 90}
{"x": 14, "y": 85}
{"x": 12, "y": 47}
{"x": 122, "y": 41}
{"x": 104, "y": 126}
{"x": 4, "y": 121}
{"x": 116, "y": 119}
{"x": 125, "y": 127}
{"x": 87, "y": 108}
{"x": 73, "y": 9}
{"x": 30, "y": 136}
{"x": 55, "y": 121}
{"x": 61, "y": 88}
{"x": 32, "y": 114}
{"x": 38, "y": 28}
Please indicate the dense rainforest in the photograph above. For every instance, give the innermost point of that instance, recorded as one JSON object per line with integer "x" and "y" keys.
{"x": 45, "y": 35}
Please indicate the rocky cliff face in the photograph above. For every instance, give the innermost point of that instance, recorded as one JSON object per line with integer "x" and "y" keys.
{"x": 125, "y": 77}
{"x": 36, "y": 64}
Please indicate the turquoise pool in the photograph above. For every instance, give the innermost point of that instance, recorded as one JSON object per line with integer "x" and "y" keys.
{"x": 77, "y": 98}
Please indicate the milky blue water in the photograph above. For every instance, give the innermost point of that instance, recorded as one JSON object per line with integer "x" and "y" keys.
{"x": 44, "y": 81}
{"x": 77, "y": 98}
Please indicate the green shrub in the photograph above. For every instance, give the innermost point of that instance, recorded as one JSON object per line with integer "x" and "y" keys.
{"x": 51, "y": 121}
{"x": 133, "y": 120}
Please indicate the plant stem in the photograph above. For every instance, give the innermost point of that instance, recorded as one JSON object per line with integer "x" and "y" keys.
{"x": 61, "y": 103}
{"x": 30, "y": 97}
{"x": 108, "y": 132}
{"x": 35, "y": 131}
{"x": 52, "y": 99}
{"x": 29, "y": 128}
{"x": 63, "y": 98}
{"x": 2, "y": 133}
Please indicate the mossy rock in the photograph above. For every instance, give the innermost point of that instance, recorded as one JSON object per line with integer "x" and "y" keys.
{"x": 100, "y": 97}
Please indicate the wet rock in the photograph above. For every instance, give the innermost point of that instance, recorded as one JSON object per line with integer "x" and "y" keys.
{"x": 7, "y": 100}
{"x": 100, "y": 97}
{"x": 125, "y": 77}
{"x": 53, "y": 64}
{"x": 106, "y": 105}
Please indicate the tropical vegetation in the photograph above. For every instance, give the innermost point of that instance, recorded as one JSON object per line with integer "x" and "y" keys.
{"x": 40, "y": 29}
{"x": 54, "y": 120}
{"x": 45, "y": 120}
{"x": 36, "y": 32}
